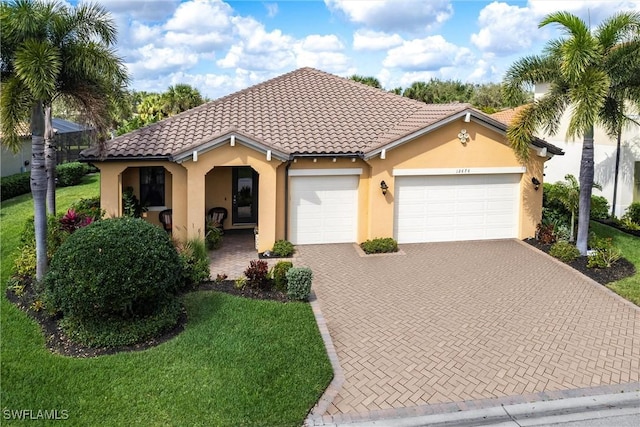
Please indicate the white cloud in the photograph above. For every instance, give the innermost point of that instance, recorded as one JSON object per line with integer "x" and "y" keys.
{"x": 152, "y": 60}
{"x": 506, "y": 29}
{"x": 141, "y": 34}
{"x": 272, "y": 9}
{"x": 427, "y": 54}
{"x": 374, "y": 40}
{"x": 318, "y": 43}
{"x": 200, "y": 15}
{"x": 389, "y": 15}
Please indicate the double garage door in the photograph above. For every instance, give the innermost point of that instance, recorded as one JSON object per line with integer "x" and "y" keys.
{"x": 443, "y": 208}
{"x": 434, "y": 208}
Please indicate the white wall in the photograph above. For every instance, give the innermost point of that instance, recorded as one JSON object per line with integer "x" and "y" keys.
{"x": 12, "y": 163}
{"x": 605, "y": 160}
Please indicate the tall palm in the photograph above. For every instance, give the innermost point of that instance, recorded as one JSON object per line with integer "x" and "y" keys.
{"x": 591, "y": 74}
{"x": 50, "y": 50}
{"x": 180, "y": 97}
{"x": 367, "y": 80}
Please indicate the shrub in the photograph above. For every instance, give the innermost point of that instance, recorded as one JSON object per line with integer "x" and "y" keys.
{"x": 25, "y": 262}
{"x": 195, "y": 262}
{"x": 111, "y": 272}
{"x": 69, "y": 174}
{"x": 627, "y": 224}
{"x": 545, "y": 233}
{"x": 604, "y": 257}
{"x": 71, "y": 221}
{"x": 240, "y": 282}
{"x": 280, "y": 275}
{"x": 89, "y": 207}
{"x": 282, "y": 248}
{"x": 299, "y": 283}
{"x": 213, "y": 237}
{"x": 599, "y": 208}
{"x": 380, "y": 245}
{"x": 131, "y": 206}
{"x": 15, "y": 185}
{"x": 564, "y": 251}
{"x": 632, "y": 213}
{"x": 256, "y": 275}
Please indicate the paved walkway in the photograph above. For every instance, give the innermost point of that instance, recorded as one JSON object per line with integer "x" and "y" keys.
{"x": 469, "y": 321}
{"x": 238, "y": 249}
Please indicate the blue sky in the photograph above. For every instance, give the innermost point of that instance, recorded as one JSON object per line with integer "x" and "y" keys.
{"x": 220, "y": 47}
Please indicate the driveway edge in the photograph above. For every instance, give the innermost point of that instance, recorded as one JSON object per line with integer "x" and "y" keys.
{"x": 587, "y": 278}
{"x": 316, "y": 413}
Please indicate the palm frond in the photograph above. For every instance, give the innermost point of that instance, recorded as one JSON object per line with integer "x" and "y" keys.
{"x": 587, "y": 99}
{"x": 528, "y": 71}
{"x": 38, "y": 64}
{"x": 15, "y": 109}
{"x": 618, "y": 29}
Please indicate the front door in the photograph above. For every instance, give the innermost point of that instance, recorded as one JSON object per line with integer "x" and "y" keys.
{"x": 245, "y": 196}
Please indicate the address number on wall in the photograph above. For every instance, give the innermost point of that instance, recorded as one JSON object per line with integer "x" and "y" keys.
{"x": 464, "y": 170}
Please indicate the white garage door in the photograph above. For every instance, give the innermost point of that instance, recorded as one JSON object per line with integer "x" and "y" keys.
{"x": 324, "y": 209}
{"x": 456, "y": 207}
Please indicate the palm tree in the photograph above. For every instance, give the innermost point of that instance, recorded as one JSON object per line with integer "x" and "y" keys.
{"x": 50, "y": 50}
{"x": 591, "y": 74}
{"x": 417, "y": 91}
{"x": 367, "y": 80}
{"x": 567, "y": 193}
{"x": 180, "y": 97}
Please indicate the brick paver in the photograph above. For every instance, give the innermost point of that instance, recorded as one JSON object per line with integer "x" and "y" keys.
{"x": 453, "y": 322}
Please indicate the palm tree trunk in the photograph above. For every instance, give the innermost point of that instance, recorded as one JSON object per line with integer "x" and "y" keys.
{"x": 50, "y": 159}
{"x": 39, "y": 188}
{"x": 586, "y": 185}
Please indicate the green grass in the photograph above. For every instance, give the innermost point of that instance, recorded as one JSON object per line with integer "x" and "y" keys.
{"x": 239, "y": 362}
{"x": 628, "y": 288}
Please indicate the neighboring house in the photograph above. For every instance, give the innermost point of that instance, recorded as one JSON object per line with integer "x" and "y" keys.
{"x": 70, "y": 138}
{"x": 605, "y": 160}
{"x": 315, "y": 158}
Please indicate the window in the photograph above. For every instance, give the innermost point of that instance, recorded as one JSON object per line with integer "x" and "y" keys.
{"x": 152, "y": 186}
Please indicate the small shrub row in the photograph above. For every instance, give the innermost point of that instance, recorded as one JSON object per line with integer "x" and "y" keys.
{"x": 296, "y": 282}
{"x": 282, "y": 249}
{"x": 632, "y": 214}
{"x": 67, "y": 174}
{"x": 380, "y": 245}
{"x": 564, "y": 251}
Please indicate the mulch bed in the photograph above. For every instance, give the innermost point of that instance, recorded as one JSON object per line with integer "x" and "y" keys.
{"x": 617, "y": 226}
{"x": 619, "y": 270}
{"x": 58, "y": 342}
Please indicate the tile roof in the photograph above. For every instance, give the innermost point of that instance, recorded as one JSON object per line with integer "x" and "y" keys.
{"x": 306, "y": 111}
{"x": 507, "y": 116}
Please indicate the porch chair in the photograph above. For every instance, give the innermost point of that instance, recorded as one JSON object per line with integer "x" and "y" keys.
{"x": 216, "y": 217}
{"x": 165, "y": 218}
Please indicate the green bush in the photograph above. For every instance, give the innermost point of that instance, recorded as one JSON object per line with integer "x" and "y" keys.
{"x": 599, "y": 208}
{"x": 89, "y": 207}
{"x": 299, "y": 283}
{"x": 68, "y": 174}
{"x": 282, "y": 248}
{"x": 632, "y": 213}
{"x": 15, "y": 185}
{"x": 131, "y": 206}
{"x": 213, "y": 237}
{"x": 564, "y": 251}
{"x": 380, "y": 245}
{"x": 195, "y": 262}
{"x": 604, "y": 257}
{"x": 280, "y": 274}
{"x": 114, "y": 270}
{"x": 25, "y": 262}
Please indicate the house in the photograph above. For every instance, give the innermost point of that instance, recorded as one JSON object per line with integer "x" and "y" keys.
{"x": 70, "y": 138}
{"x": 315, "y": 158}
{"x": 605, "y": 148}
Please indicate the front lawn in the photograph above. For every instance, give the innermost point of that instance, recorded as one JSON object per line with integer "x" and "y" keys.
{"x": 239, "y": 362}
{"x": 628, "y": 288}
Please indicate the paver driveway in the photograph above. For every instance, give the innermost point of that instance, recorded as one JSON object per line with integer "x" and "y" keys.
{"x": 450, "y": 322}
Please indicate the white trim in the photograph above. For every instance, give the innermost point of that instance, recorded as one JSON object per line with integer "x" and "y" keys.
{"x": 459, "y": 171}
{"x": 325, "y": 172}
{"x": 195, "y": 155}
{"x": 232, "y": 141}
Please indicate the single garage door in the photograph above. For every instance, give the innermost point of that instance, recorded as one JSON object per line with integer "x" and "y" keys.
{"x": 445, "y": 208}
{"x": 324, "y": 209}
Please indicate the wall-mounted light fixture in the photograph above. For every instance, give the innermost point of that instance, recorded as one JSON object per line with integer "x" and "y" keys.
{"x": 535, "y": 182}
{"x": 384, "y": 187}
{"x": 463, "y": 136}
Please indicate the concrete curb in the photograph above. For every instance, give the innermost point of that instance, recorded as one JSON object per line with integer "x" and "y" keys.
{"x": 523, "y": 414}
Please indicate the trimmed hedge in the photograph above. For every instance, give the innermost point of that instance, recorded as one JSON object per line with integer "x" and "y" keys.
{"x": 15, "y": 185}
{"x": 67, "y": 174}
{"x": 115, "y": 270}
{"x": 380, "y": 245}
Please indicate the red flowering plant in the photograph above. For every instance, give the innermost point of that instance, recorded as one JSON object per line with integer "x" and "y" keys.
{"x": 71, "y": 221}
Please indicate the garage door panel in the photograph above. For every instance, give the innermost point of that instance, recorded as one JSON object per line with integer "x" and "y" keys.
{"x": 323, "y": 209}
{"x": 454, "y": 207}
